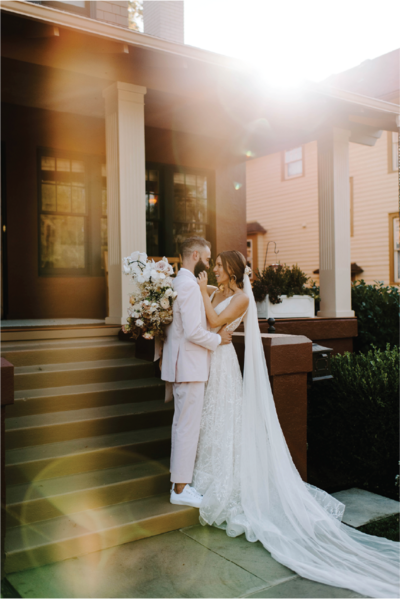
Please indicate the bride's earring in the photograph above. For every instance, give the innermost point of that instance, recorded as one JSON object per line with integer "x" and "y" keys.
{"x": 233, "y": 278}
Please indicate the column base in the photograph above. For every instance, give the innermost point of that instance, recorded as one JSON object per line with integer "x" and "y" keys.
{"x": 115, "y": 320}
{"x": 338, "y": 314}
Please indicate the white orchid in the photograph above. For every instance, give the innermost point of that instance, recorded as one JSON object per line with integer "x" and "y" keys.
{"x": 139, "y": 323}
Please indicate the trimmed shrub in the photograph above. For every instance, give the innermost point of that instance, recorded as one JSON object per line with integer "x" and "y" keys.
{"x": 377, "y": 310}
{"x": 353, "y": 421}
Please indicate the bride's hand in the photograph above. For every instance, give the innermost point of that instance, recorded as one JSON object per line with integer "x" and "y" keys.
{"x": 202, "y": 280}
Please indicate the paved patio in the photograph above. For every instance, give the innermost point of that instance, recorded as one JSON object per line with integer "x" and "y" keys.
{"x": 192, "y": 562}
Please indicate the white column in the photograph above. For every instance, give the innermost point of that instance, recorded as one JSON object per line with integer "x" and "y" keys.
{"x": 334, "y": 224}
{"x": 126, "y": 185}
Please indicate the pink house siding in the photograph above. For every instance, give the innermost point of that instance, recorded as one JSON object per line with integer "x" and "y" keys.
{"x": 289, "y": 209}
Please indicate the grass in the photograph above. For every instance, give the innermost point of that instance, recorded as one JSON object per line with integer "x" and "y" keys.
{"x": 387, "y": 527}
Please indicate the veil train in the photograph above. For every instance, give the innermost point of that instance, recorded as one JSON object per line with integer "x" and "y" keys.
{"x": 297, "y": 523}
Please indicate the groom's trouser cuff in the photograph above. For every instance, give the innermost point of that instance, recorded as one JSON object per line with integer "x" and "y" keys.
{"x": 189, "y": 398}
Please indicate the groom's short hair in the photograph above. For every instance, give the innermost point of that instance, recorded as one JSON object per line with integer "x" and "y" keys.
{"x": 191, "y": 244}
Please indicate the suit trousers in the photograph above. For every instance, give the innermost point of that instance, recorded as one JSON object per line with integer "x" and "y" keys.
{"x": 189, "y": 398}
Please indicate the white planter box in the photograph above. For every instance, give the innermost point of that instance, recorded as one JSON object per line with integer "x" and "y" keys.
{"x": 298, "y": 306}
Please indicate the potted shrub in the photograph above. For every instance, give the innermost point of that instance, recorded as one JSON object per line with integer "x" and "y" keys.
{"x": 280, "y": 292}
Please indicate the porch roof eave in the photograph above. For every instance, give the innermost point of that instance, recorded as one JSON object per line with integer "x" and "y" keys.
{"x": 123, "y": 35}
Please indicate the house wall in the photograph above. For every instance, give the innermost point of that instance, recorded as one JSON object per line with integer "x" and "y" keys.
{"x": 289, "y": 209}
{"x": 115, "y": 12}
{"x": 24, "y": 130}
{"x": 30, "y": 295}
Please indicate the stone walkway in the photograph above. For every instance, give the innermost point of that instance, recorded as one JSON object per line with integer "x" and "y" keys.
{"x": 193, "y": 562}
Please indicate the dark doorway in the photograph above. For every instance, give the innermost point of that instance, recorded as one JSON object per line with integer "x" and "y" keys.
{"x": 3, "y": 224}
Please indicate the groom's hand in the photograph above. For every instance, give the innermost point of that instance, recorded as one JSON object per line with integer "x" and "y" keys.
{"x": 226, "y": 336}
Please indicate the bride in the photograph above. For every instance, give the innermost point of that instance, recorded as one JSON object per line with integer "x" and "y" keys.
{"x": 246, "y": 474}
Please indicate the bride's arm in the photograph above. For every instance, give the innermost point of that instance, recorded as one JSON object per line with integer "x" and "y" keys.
{"x": 236, "y": 307}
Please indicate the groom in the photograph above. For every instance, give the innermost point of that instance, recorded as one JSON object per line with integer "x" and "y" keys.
{"x": 185, "y": 367}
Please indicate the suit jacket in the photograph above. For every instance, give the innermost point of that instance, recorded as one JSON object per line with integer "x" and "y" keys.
{"x": 186, "y": 357}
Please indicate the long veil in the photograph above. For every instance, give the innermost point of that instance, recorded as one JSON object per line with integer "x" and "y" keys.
{"x": 299, "y": 524}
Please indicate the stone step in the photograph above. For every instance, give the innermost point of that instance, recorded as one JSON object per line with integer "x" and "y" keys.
{"x": 53, "y": 460}
{"x": 30, "y": 353}
{"x": 92, "y": 530}
{"x": 80, "y": 373}
{"x": 51, "y": 498}
{"x": 74, "y": 397}
{"x": 56, "y": 427}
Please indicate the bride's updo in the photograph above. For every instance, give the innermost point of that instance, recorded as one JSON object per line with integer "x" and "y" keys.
{"x": 234, "y": 264}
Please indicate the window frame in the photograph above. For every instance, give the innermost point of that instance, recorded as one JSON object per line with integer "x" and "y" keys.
{"x": 392, "y": 217}
{"x": 93, "y": 186}
{"x": 86, "y": 11}
{"x": 390, "y": 151}
{"x": 283, "y": 163}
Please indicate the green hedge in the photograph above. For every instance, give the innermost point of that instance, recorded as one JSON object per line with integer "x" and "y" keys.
{"x": 353, "y": 420}
{"x": 377, "y": 310}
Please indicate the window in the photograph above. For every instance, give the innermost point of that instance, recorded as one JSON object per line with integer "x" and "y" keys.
{"x": 177, "y": 207}
{"x": 70, "y": 226}
{"x": 63, "y": 217}
{"x": 81, "y": 7}
{"x": 190, "y": 206}
{"x": 293, "y": 163}
{"x": 393, "y": 151}
{"x": 394, "y": 242}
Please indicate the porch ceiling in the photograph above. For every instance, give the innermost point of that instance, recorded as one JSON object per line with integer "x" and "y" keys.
{"x": 216, "y": 99}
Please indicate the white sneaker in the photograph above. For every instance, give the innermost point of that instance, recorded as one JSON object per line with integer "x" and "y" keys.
{"x": 189, "y": 496}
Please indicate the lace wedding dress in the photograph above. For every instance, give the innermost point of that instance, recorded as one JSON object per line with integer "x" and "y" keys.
{"x": 250, "y": 484}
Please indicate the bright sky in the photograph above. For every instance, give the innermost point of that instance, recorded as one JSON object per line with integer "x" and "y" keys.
{"x": 295, "y": 40}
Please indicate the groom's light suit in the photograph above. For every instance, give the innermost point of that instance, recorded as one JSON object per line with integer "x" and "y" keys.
{"x": 186, "y": 364}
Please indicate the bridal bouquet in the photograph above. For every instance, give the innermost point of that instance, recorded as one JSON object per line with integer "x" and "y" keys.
{"x": 151, "y": 302}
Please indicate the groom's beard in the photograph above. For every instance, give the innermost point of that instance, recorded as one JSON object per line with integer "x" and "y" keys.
{"x": 199, "y": 267}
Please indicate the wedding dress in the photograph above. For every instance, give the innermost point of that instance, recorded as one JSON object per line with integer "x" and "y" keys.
{"x": 251, "y": 485}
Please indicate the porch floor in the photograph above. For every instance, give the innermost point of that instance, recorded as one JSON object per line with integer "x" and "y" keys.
{"x": 49, "y": 322}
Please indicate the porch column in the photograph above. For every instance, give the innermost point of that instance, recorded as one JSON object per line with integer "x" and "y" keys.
{"x": 125, "y": 152}
{"x": 334, "y": 223}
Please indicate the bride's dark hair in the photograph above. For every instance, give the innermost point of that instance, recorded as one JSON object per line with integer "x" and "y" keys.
{"x": 234, "y": 264}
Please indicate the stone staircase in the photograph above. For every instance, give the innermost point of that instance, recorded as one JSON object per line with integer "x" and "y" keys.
{"x": 87, "y": 451}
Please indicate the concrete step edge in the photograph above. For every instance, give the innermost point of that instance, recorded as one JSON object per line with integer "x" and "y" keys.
{"x": 158, "y": 517}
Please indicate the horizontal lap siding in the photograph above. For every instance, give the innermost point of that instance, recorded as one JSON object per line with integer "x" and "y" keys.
{"x": 282, "y": 207}
{"x": 375, "y": 197}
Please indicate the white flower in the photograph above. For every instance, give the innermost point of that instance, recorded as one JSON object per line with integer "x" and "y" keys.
{"x": 161, "y": 275}
{"x": 134, "y": 256}
{"x": 154, "y": 275}
{"x": 164, "y": 303}
{"x": 247, "y": 271}
{"x": 147, "y": 336}
{"x": 168, "y": 292}
{"x": 142, "y": 258}
{"x": 174, "y": 294}
{"x": 139, "y": 323}
{"x": 141, "y": 279}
